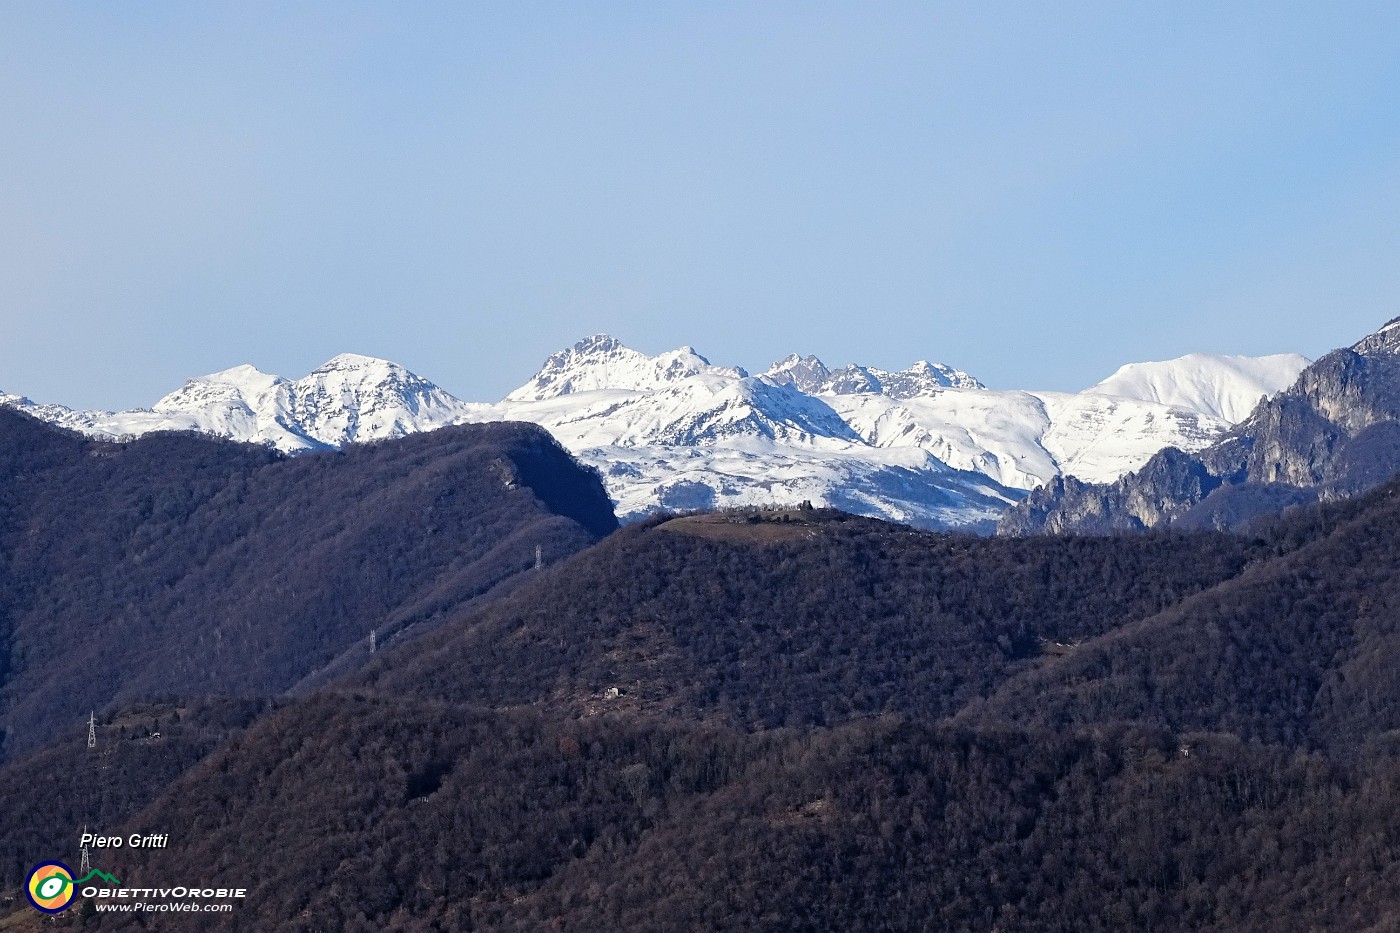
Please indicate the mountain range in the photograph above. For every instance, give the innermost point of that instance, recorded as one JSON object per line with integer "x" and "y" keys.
{"x": 1333, "y": 433}
{"x": 928, "y": 446}
{"x": 427, "y": 682}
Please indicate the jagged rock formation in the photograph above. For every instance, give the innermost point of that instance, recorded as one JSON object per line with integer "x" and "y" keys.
{"x": 1335, "y": 432}
{"x": 602, "y": 362}
{"x": 808, "y": 374}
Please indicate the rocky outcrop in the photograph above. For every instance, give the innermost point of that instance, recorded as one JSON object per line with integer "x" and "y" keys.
{"x": 1336, "y": 431}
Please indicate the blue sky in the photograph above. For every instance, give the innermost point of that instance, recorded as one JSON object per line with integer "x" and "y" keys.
{"x": 1033, "y": 192}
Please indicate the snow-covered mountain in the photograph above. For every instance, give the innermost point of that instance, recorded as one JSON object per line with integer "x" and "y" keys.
{"x": 1225, "y": 387}
{"x": 1331, "y": 433}
{"x": 696, "y": 435}
{"x": 927, "y": 445}
{"x": 601, "y": 362}
{"x": 350, "y": 398}
{"x": 808, "y": 374}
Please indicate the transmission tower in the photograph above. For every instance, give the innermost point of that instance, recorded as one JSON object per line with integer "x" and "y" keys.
{"x": 539, "y": 557}
{"x": 92, "y": 729}
{"x": 85, "y": 867}
{"x": 372, "y": 642}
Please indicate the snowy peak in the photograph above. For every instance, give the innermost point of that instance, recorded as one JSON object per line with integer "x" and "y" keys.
{"x": 602, "y": 362}
{"x": 925, "y": 378}
{"x": 356, "y": 374}
{"x": 355, "y": 361}
{"x": 242, "y": 386}
{"x": 808, "y": 374}
{"x": 349, "y": 398}
{"x": 1226, "y": 387}
{"x": 804, "y": 373}
{"x": 353, "y": 397}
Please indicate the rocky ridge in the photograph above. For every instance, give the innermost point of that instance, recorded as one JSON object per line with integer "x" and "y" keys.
{"x": 1334, "y": 432}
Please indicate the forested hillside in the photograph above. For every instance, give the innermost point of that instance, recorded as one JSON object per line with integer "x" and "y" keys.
{"x": 801, "y": 618}
{"x": 181, "y": 564}
{"x": 362, "y": 813}
{"x": 796, "y": 720}
{"x": 141, "y": 750}
{"x": 1302, "y": 651}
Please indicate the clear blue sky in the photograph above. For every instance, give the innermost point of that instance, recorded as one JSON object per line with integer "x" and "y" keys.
{"x": 1034, "y": 192}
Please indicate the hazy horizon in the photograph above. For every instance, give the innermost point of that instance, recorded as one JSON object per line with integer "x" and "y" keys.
{"x": 1034, "y": 195}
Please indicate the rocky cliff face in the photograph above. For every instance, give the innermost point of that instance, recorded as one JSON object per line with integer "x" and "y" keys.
{"x": 1336, "y": 431}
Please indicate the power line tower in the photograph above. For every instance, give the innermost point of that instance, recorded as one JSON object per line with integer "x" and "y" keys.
{"x": 92, "y": 729}
{"x": 539, "y": 557}
{"x": 372, "y": 641}
{"x": 86, "y": 866}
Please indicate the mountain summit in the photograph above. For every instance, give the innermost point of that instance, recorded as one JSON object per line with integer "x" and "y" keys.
{"x": 602, "y": 362}
{"x": 928, "y": 445}
{"x": 808, "y": 374}
{"x": 346, "y": 399}
{"x": 355, "y": 397}
{"x": 1226, "y": 387}
{"x": 1334, "y": 431}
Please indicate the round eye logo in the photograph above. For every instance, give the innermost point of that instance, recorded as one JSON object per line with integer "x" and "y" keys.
{"x": 50, "y": 887}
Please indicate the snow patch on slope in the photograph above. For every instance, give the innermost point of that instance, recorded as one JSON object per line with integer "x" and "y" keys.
{"x": 908, "y": 486}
